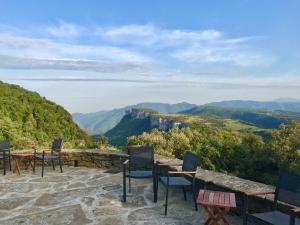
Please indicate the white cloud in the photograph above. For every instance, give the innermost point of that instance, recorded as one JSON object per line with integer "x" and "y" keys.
{"x": 45, "y": 48}
{"x": 146, "y": 35}
{"x": 224, "y": 54}
{"x": 65, "y": 30}
{"x": 190, "y": 46}
{"x": 137, "y": 45}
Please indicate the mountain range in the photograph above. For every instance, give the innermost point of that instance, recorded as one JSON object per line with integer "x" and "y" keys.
{"x": 103, "y": 121}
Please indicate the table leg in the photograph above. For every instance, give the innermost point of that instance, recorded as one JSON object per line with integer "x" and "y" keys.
{"x": 17, "y": 165}
{"x": 220, "y": 215}
{"x": 29, "y": 163}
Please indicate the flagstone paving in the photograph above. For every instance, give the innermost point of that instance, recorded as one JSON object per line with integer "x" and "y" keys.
{"x": 89, "y": 196}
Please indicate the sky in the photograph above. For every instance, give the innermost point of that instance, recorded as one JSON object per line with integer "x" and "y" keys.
{"x": 96, "y": 55}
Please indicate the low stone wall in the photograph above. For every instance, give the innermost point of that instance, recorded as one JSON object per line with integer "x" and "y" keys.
{"x": 95, "y": 158}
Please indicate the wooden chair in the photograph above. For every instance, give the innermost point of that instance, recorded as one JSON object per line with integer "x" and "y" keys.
{"x": 140, "y": 165}
{"x": 178, "y": 179}
{"x": 287, "y": 191}
{"x": 5, "y": 155}
{"x": 53, "y": 156}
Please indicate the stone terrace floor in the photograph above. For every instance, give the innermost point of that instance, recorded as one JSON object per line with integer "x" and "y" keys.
{"x": 89, "y": 196}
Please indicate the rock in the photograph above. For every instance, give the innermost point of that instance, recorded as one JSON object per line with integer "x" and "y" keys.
{"x": 12, "y": 203}
{"x": 63, "y": 196}
{"x": 68, "y": 215}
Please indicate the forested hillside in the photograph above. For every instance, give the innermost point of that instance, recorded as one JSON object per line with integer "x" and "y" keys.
{"x": 29, "y": 120}
{"x": 126, "y": 128}
{"x": 242, "y": 154}
{"x": 288, "y": 104}
{"x": 262, "y": 118}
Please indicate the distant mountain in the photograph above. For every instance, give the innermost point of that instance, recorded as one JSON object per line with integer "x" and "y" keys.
{"x": 259, "y": 117}
{"x": 286, "y": 100}
{"x": 127, "y": 127}
{"x": 285, "y": 104}
{"x": 103, "y": 121}
{"x": 28, "y": 120}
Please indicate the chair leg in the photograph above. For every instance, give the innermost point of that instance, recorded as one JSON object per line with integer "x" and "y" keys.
{"x": 124, "y": 187}
{"x": 9, "y": 162}
{"x": 43, "y": 162}
{"x": 4, "y": 163}
{"x": 124, "y": 182}
{"x": 33, "y": 165}
{"x": 129, "y": 184}
{"x": 60, "y": 165}
{"x": 195, "y": 199}
{"x": 166, "y": 203}
{"x": 184, "y": 193}
{"x": 154, "y": 189}
{"x": 52, "y": 161}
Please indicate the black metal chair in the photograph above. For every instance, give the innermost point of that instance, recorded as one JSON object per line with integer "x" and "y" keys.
{"x": 5, "y": 155}
{"x": 53, "y": 156}
{"x": 178, "y": 179}
{"x": 287, "y": 191}
{"x": 140, "y": 165}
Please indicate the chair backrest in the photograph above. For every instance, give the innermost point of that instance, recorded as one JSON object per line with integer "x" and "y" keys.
{"x": 4, "y": 146}
{"x": 288, "y": 188}
{"x": 57, "y": 144}
{"x": 190, "y": 162}
{"x": 141, "y": 158}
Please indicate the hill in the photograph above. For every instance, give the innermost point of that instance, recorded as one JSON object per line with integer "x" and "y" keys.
{"x": 127, "y": 127}
{"x": 261, "y": 118}
{"x": 284, "y": 104}
{"x": 28, "y": 120}
{"x": 103, "y": 121}
{"x": 137, "y": 121}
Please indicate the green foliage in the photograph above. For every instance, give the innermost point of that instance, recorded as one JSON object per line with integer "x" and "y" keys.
{"x": 29, "y": 120}
{"x": 261, "y": 118}
{"x": 126, "y": 128}
{"x": 239, "y": 153}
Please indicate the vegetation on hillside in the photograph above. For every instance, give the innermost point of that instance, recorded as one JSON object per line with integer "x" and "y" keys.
{"x": 285, "y": 104}
{"x": 29, "y": 120}
{"x": 243, "y": 154}
{"x": 126, "y": 128}
{"x": 260, "y": 118}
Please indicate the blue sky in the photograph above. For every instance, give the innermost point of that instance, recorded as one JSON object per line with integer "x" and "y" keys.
{"x": 95, "y": 55}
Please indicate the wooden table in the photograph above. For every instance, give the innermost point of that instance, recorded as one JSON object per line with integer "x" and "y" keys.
{"x": 19, "y": 157}
{"x": 216, "y": 204}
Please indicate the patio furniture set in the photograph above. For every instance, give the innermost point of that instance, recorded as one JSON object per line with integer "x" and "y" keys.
{"x": 29, "y": 158}
{"x": 141, "y": 164}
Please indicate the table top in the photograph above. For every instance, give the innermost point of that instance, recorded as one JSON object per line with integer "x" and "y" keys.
{"x": 22, "y": 154}
{"x": 216, "y": 199}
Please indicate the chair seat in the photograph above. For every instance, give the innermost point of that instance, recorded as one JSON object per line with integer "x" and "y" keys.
{"x": 175, "y": 181}
{"x": 46, "y": 157}
{"x": 140, "y": 174}
{"x": 274, "y": 217}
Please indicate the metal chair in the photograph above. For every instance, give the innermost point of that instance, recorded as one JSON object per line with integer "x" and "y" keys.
{"x": 287, "y": 191}
{"x": 53, "y": 156}
{"x": 5, "y": 155}
{"x": 178, "y": 179}
{"x": 140, "y": 165}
